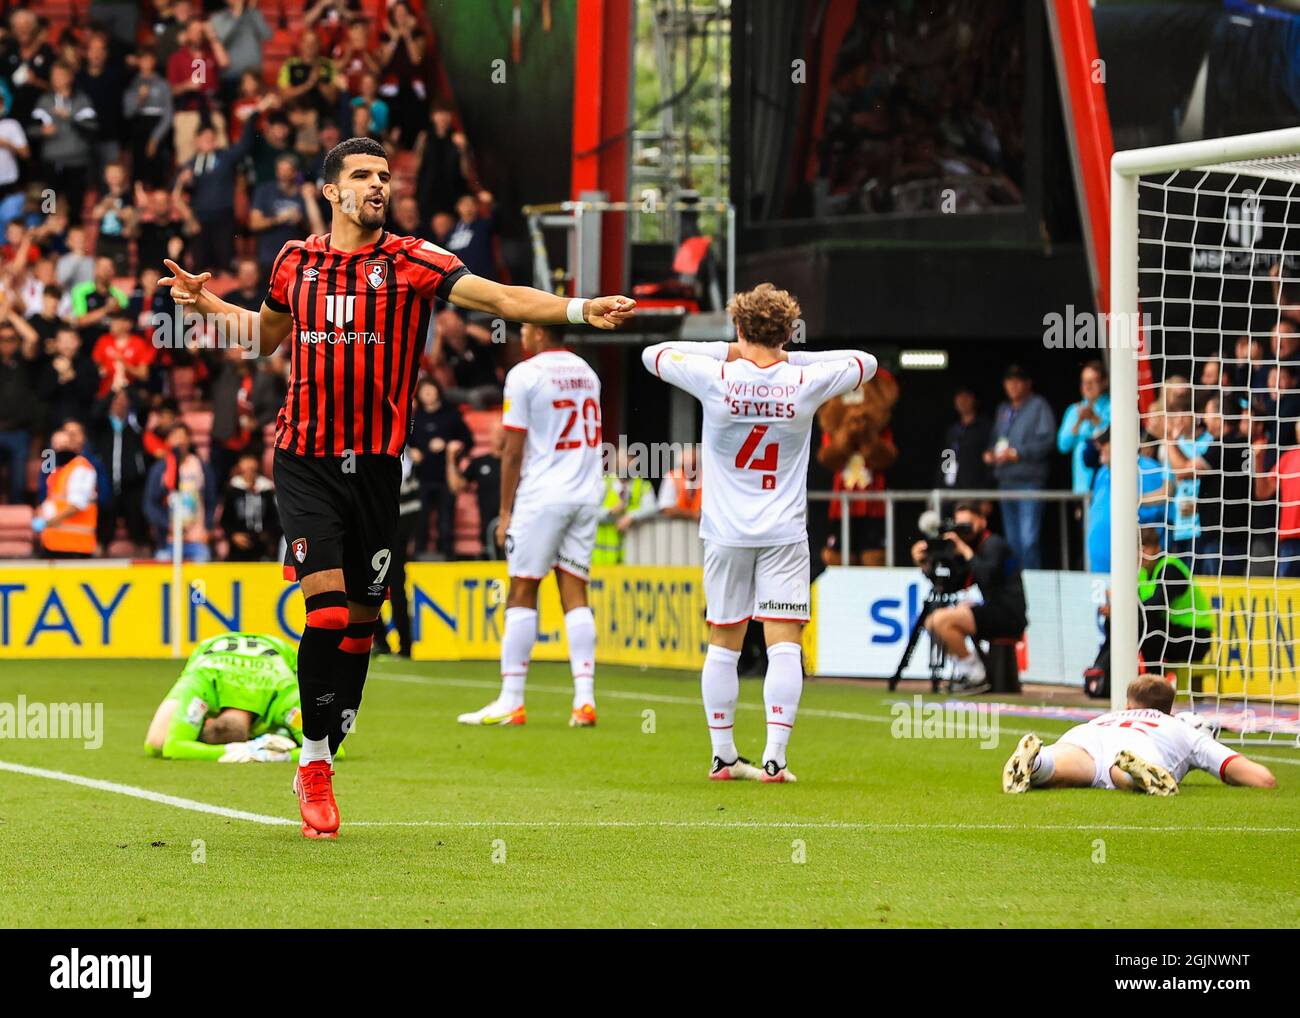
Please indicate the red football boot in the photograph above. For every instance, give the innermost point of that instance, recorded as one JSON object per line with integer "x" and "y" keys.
{"x": 316, "y": 803}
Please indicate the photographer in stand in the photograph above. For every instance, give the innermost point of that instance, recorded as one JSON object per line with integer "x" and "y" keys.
{"x": 969, "y": 549}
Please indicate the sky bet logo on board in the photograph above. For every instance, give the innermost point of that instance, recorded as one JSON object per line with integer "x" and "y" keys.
{"x": 891, "y": 620}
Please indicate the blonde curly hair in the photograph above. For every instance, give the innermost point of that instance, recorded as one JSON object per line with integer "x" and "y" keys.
{"x": 765, "y": 315}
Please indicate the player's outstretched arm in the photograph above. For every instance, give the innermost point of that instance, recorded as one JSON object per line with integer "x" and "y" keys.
{"x": 527, "y": 304}
{"x": 265, "y": 329}
{"x": 1240, "y": 771}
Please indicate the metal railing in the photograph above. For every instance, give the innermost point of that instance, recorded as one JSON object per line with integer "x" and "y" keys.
{"x": 660, "y": 541}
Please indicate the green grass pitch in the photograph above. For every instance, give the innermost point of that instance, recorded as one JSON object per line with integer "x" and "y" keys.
{"x": 615, "y": 826}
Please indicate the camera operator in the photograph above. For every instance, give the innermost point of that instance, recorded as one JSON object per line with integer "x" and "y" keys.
{"x": 987, "y": 561}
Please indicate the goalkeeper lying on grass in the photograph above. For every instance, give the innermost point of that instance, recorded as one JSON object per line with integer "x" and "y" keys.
{"x": 236, "y": 701}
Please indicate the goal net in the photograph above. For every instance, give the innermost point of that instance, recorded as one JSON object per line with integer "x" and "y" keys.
{"x": 1205, "y": 264}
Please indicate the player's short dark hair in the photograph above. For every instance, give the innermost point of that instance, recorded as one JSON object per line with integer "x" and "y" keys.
{"x": 351, "y": 147}
{"x": 1152, "y": 692}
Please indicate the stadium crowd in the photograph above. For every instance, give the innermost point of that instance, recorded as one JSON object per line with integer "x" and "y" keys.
{"x": 197, "y": 131}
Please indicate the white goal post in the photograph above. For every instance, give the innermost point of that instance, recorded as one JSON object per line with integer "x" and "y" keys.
{"x": 1188, "y": 220}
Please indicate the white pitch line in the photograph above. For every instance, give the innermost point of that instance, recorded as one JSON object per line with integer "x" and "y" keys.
{"x": 832, "y": 825}
{"x": 687, "y": 701}
{"x": 144, "y": 793}
{"x": 829, "y": 825}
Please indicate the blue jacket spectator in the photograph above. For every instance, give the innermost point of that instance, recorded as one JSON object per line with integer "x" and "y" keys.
{"x": 1020, "y": 445}
{"x": 1083, "y": 420}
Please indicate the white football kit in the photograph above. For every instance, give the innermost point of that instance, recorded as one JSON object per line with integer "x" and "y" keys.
{"x": 555, "y": 397}
{"x": 1155, "y": 736}
{"x": 754, "y": 469}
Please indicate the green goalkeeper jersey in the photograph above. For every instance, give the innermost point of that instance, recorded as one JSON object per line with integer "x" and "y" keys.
{"x": 248, "y": 671}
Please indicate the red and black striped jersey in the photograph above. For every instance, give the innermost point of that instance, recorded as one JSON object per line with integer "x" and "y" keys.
{"x": 359, "y": 324}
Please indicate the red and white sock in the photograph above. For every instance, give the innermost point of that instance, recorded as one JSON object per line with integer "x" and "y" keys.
{"x": 781, "y": 690}
{"x": 720, "y": 686}
{"x": 580, "y": 628}
{"x": 516, "y": 648}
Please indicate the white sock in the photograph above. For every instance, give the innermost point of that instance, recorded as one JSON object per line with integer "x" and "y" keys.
{"x": 781, "y": 690}
{"x": 1044, "y": 767}
{"x": 314, "y": 749}
{"x": 516, "y": 648}
{"x": 580, "y": 628}
{"x": 720, "y": 686}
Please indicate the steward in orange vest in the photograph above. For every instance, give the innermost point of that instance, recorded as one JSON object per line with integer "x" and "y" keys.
{"x": 66, "y": 519}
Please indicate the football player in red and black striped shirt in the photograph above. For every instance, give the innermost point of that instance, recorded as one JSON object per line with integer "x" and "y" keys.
{"x": 355, "y": 305}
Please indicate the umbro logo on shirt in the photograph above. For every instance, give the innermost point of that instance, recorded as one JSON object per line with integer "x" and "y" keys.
{"x": 310, "y": 273}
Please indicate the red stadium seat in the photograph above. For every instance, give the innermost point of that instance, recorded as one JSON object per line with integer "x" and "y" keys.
{"x": 16, "y": 531}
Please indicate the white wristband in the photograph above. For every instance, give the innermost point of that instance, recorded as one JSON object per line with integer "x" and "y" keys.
{"x": 574, "y": 311}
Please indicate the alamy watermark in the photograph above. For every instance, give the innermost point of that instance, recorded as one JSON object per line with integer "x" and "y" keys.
{"x": 921, "y": 720}
{"x": 1089, "y": 330}
{"x": 76, "y": 721}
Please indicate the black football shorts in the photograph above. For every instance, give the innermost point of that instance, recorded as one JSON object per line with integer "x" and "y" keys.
{"x": 339, "y": 512}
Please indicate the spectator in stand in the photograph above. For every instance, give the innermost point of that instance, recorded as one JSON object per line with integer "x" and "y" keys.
{"x": 26, "y": 59}
{"x": 1225, "y": 492}
{"x": 236, "y": 428}
{"x": 368, "y": 96}
{"x": 122, "y": 356}
{"x": 1084, "y": 419}
{"x": 115, "y": 212}
{"x": 180, "y": 482}
{"x": 309, "y": 79}
{"x": 434, "y": 426}
{"x": 483, "y": 474}
{"x": 14, "y": 156}
{"x": 19, "y": 410}
{"x": 68, "y": 381}
{"x": 471, "y": 237}
{"x": 94, "y": 301}
{"x": 283, "y": 210}
{"x": 117, "y": 437}
{"x": 120, "y": 20}
{"x": 248, "y": 292}
{"x": 149, "y": 306}
{"x": 76, "y": 267}
{"x": 1023, "y": 434}
{"x": 444, "y": 165}
{"x": 67, "y": 518}
{"x": 1283, "y": 482}
{"x": 210, "y": 179}
{"x": 354, "y": 56}
{"x": 163, "y": 230}
{"x": 166, "y": 415}
{"x": 628, "y": 500}
{"x": 405, "y": 67}
{"x": 440, "y": 225}
{"x": 1183, "y": 453}
{"x": 48, "y": 318}
{"x": 1210, "y": 381}
{"x": 1240, "y": 372}
{"x": 147, "y": 109}
{"x": 681, "y": 494}
{"x": 961, "y": 462}
{"x": 194, "y": 73}
{"x": 248, "y": 514}
{"x": 66, "y": 123}
{"x": 1285, "y": 343}
{"x": 1258, "y": 427}
{"x": 174, "y": 16}
{"x": 360, "y": 123}
{"x": 466, "y": 351}
{"x": 330, "y": 19}
{"x": 274, "y": 144}
{"x": 102, "y": 79}
{"x": 243, "y": 31}
{"x": 406, "y": 217}
{"x": 1153, "y": 486}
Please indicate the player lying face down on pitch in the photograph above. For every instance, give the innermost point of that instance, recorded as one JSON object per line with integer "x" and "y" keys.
{"x": 354, "y": 306}
{"x": 759, "y": 402}
{"x": 1143, "y": 748}
{"x": 236, "y": 701}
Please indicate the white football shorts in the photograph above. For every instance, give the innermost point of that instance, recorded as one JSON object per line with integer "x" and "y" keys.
{"x": 769, "y": 584}
{"x": 1104, "y": 744}
{"x": 543, "y": 537}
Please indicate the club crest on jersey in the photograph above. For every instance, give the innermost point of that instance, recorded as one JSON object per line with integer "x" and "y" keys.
{"x": 376, "y": 272}
{"x": 300, "y": 549}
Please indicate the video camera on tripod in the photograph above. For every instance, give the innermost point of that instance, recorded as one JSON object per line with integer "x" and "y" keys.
{"x": 948, "y": 573}
{"x": 946, "y": 570}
